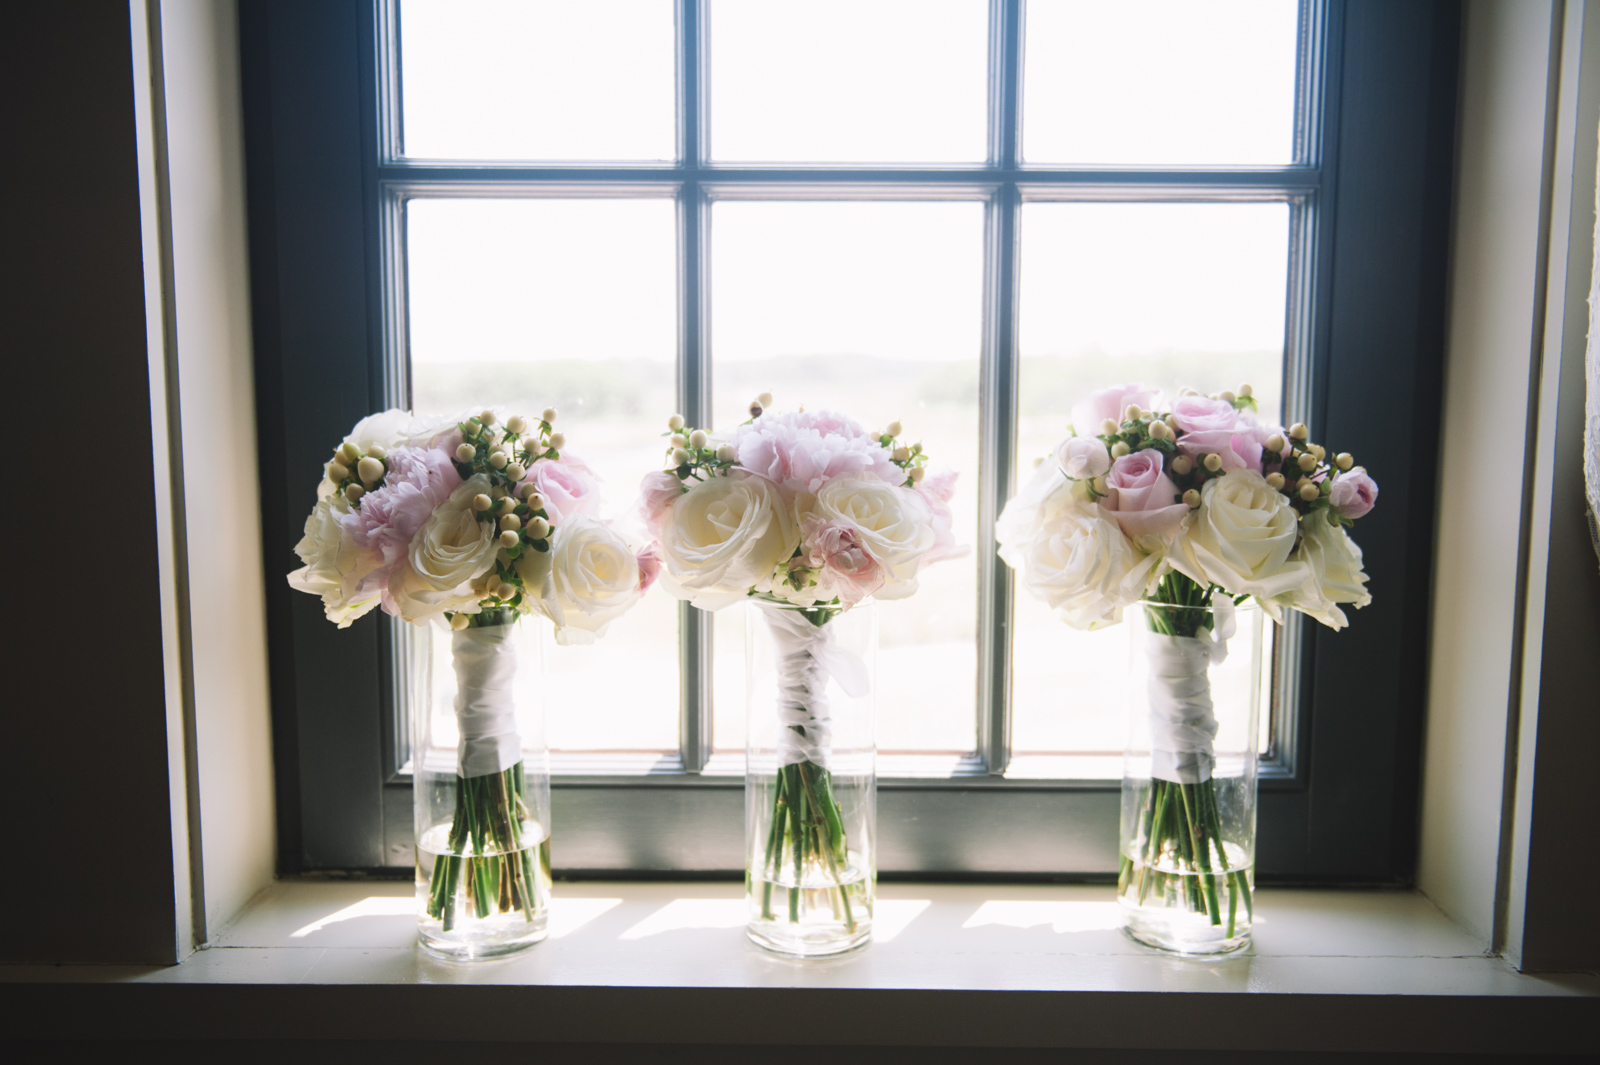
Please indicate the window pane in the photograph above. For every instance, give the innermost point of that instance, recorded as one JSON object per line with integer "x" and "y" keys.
{"x": 849, "y": 81}
{"x": 565, "y": 303}
{"x": 873, "y": 309}
{"x": 537, "y": 79}
{"x": 1168, "y": 295}
{"x": 1160, "y": 82}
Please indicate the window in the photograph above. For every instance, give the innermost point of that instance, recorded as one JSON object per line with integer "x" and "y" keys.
{"x": 962, "y": 214}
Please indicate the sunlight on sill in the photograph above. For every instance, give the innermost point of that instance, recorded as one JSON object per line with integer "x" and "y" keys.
{"x": 566, "y": 915}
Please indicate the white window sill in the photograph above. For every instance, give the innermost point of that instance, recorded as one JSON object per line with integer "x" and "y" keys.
{"x": 668, "y": 963}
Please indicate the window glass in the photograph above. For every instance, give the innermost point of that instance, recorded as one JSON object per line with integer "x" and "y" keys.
{"x": 537, "y": 79}
{"x": 875, "y": 310}
{"x": 1167, "y": 295}
{"x": 570, "y": 304}
{"x": 1160, "y": 82}
{"x": 849, "y": 81}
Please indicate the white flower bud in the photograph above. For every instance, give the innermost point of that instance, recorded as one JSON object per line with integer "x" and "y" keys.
{"x": 349, "y": 453}
{"x": 902, "y": 454}
{"x": 894, "y": 429}
{"x": 1276, "y": 443}
{"x": 466, "y": 453}
{"x": 487, "y": 417}
{"x": 1226, "y": 397}
{"x": 675, "y": 422}
{"x": 558, "y": 440}
{"x": 1246, "y": 391}
{"x": 1308, "y": 492}
{"x": 1191, "y": 498}
{"x": 917, "y": 473}
{"x": 698, "y": 438}
{"x": 1187, "y": 392}
{"x": 765, "y": 399}
{"x": 354, "y": 492}
{"x": 1110, "y": 427}
{"x": 1182, "y": 465}
{"x": 338, "y": 471}
{"x": 678, "y": 440}
{"x": 1212, "y": 462}
{"x": 1345, "y": 460}
{"x": 679, "y": 456}
{"x": 515, "y": 471}
{"x": 1275, "y": 480}
{"x": 1298, "y": 431}
{"x": 370, "y": 470}
{"x": 460, "y": 621}
{"x": 538, "y": 528}
{"x": 1119, "y": 449}
{"x": 727, "y": 453}
{"x": 377, "y": 452}
{"x": 1307, "y": 462}
{"x": 1132, "y": 412}
{"x": 509, "y": 539}
{"x": 481, "y": 502}
{"x": 510, "y": 523}
{"x": 516, "y": 424}
{"x": 499, "y": 459}
{"x": 549, "y": 415}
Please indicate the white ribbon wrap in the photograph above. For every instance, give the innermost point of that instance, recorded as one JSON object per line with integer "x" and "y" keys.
{"x": 1182, "y": 725}
{"x": 486, "y": 712}
{"x": 807, "y": 656}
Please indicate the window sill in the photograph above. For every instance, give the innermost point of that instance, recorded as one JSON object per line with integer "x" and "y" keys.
{"x": 667, "y": 963}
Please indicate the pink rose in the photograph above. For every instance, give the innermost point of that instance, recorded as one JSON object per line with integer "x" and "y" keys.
{"x": 657, "y": 492}
{"x": 1214, "y": 427}
{"x": 938, "y": 489}
{"x": 1088, "y": 414}
{"x": 1353, "y": 493}
{"x": 568, "y": 486}
{"x": 1143, "y": 498}
{"x": 1083, "y": 457}
{"x": 649, "y": 567}
{"x": 415, "y": 482}
{"x": 848, "y": 567}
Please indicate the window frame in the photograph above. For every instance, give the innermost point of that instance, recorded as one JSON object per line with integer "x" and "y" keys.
{"x": 326, "y": 195}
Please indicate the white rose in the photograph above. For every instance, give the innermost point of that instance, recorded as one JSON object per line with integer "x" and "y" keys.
{"x": 588, "y": 579}
{"x": 393, "y": 428}
{"x": 1336, "y": 575}
{"x": 1083, "y": 457}
{"x": 895, "y": 524}
{"x": 1082, "y": 565}
{"x": 1241, "y": 538}
{"x": 721, "y": 537}
{"x": 1023, "y": 517}
{"x": 449, "y": 552}
{"x": 334, "y": 565}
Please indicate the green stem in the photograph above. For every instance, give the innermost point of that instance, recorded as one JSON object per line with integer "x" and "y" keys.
{"x": 827, "y": 851}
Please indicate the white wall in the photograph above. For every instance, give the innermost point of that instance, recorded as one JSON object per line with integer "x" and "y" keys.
{"x": 1496, "y": 304}
{"x": 211, "y": 301}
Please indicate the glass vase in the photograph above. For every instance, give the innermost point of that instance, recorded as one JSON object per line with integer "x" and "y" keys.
{"x": 810, "y": 777}
{"x": 1188, "y": 837}
{"x": 481, "y": 780}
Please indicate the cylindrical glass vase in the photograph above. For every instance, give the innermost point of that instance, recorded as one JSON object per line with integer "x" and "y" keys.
{"x": 481, "y": 778}
{"x": 1187, "y": 877}
{"x": 810, "y": 777}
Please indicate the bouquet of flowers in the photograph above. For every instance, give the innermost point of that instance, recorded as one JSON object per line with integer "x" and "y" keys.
{"x": 1191, "y": 509}
{"x": 471, "y": 523}
{"x": 807, "y": 515}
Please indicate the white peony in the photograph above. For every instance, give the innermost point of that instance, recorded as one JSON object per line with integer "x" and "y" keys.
{"x": 895, "y": 524}
{"x": 334, "y": 565}
{"x": 721, "y": 537}
{"x": 588, "y": 579}
{"x": 1023, "y": 517}
{"x": 1336, "y": 575}
{"x": 399, "y": 428}
{"x": 1081, "y": 565}
{"x": 1241, "y": 538}
{"x": 449, "y": 552}
{"x": 1083, "y": 457}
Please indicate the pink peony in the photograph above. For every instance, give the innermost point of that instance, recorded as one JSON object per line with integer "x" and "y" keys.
{"x": 649, "y": 567}
{"x": 568, "y": 486}
{"x": 1143, "y": 498}
{"x": 1083, "y": 457}
{"x": 847, "y": 566}
{"x": 416, "y": 482}
{"x": 657, "y": 492}
{"x": 1353, "y": 493}
{"x": 1088, "y": 414}
{"x": 800, "y": 452}
{"x": 1214, "y": 427}
{"x": 938, "y": 489}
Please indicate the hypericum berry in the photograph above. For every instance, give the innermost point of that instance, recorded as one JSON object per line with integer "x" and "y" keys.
{"x": 349, "y": 453}
{"x": 1159, "y": 430}
{"x": 917, "y": 473}
{"x": 1276, "y": 443}
{"x": 354, "y": 492}
{"x": 1212, "y": 462}
{"x": 895, "y": 429}
{"x": 1307, "y": 461}
{"x": 464, "y": 455}
{"x": 679, "y": 456}
{"x": 1226, "y": 397}
{"x": 510, "y": 523}
{"x": 698, "y": 438}
{"x": 509, "y": 539}
{"x": 534, "y": 500}
{"x": 481, "y": 502}
{"x": 1275, "y": 480}
{"x": 1119, "y": 449}
{"x": 515, "y": 471}
{"x": 1298, "y": 431}
{"x": 1308, "y": 492}
{"x": 765, "y": 399}
{"x": 1191, "y": 498}
{"x": 499, "y": 460}
{"x": 675, "y": 422}
{"x": 1182, "y": 465}
{"x": 460, "y": 621}
{"x": 1345, "y": 460}
{"x": 1110, "y": 427}
{"x": 549, "y": 415}
{"x": 337, "y": 472}
{"x": 902, "y": 454}
{"x": 516, "y": 424}
{"x": 1246, "y": 391}
{"x": 1132, "y": 412}
{"x": 487, "y": 417}
{"x": 538, "y": 528}
{"x": 370, "y": 470}
{"x": 558, "y": 441}
{"x": 377, "y": 452}
{"x": 677, "y": 440}
{"x": 727, "y": 453}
